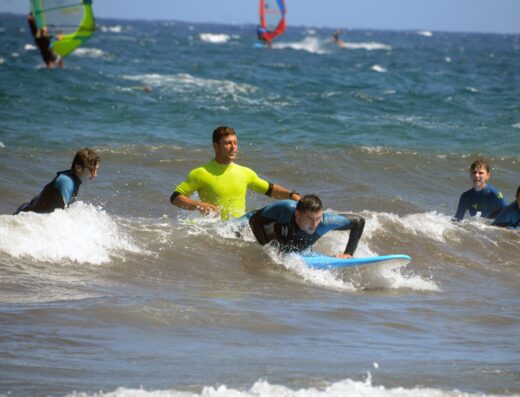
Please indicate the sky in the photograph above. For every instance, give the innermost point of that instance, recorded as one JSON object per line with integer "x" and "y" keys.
{"x": 489, "y": 16}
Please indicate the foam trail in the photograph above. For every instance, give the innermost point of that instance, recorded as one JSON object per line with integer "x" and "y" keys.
{"x": 215, "y": 38}
{"x": 81, "y": 233}
{"x": 263, "y": 388}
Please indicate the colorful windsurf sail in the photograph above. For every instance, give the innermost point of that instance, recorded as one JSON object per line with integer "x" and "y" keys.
{"x": 272, "y": 19}
{"x": 69, "y": 22}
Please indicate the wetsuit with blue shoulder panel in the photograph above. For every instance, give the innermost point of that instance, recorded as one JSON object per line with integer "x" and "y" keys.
{"x": 277, "y": 222}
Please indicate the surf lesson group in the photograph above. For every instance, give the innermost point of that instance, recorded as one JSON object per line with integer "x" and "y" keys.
{"x": 294, "y": 223}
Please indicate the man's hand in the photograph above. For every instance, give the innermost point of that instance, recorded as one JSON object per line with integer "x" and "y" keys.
{"x": 344, "y": 256}
{"x": 208, "y": 209}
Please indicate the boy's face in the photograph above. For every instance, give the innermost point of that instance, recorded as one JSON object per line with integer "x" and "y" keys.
{"x": 479, "y": 177}
{"x": 308, "y": 221}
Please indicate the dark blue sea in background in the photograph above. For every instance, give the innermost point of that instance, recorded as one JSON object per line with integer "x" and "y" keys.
{"x": 123, "y": 294}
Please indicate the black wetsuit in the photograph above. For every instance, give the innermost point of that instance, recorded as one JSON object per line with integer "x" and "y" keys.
{"x": 59, "y": 193}
{"x": 43, "y": 43}
{"x": 276, "y": 222}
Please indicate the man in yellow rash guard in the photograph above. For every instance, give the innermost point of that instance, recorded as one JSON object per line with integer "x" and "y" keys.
{"x": 222, "y": 184}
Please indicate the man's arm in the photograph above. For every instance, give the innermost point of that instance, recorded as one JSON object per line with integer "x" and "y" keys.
{"x": 187, "y": 203}
{"x": 461, "y": 210}
{"x": 279, "y": 192}
{"x": 354, "y": 223}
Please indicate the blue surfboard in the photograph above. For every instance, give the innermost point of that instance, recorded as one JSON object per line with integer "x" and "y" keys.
{"x": 325, "y": 262}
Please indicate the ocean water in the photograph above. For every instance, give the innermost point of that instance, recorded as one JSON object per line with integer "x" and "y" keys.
{"x": 123, "y": 294}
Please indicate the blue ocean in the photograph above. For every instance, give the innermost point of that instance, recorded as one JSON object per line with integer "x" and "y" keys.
{"x": 123, "y": 294}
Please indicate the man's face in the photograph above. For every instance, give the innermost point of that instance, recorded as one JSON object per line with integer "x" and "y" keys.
{"x": 226, "y": 149}
{"x": 308, "y": 221}
{"x": 479, "y": 177}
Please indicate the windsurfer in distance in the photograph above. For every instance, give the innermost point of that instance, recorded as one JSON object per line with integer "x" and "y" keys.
{"x": 263, "y": 36}
{"x": 43, "y": 42}
{"x": 337, "y": 40}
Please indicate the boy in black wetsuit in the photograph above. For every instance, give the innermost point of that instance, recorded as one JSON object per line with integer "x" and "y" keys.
{"x": 43, "y": 42}
{"x": 482, "y": 199}
{"x": 63, "y": 189}
{"x": 297, "y": 226}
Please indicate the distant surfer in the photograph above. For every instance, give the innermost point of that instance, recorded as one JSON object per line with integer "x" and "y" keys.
{"x": 44, "y": 43}
{"x": 263, "y": 36}
{"x": 509, "y": 217}
{"x": 483, "y": 199}
{"x": 337, "y": 40}
{"x": 63, "y": 189}
{"x": 222, "y": 184}
{"x": 297, "y": 226}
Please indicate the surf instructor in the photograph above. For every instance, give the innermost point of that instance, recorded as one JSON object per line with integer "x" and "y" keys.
{"x": 297, "y": 226}
{"x": 222, "y": 184}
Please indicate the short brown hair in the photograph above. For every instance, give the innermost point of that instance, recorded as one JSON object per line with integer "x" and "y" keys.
{"x": 479, "y": 163}
{"x": 221, "y": 132}
{"x": 309, "y": 202}
{"x": 86, "y": 158}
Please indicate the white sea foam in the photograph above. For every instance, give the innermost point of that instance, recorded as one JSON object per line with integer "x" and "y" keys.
{"x": 425, "y": 33}
{"x": 15, "y": 54}
{"x": 310, "y": 44}
{"x": 89, "y": 53}
{"x": 81, "y": 233}
{"x": 215, "y": 38}
{"x": 2, "y": 61}
{"x": 472, "y": 89}
{"x": 429, "y": 225}
{"x": 517, "y": 125}
{"x": 112, "y": 29}
{"x": 447, "y": 59}
{"x": 378, "y": 68}
{"x": 263, "y": 388}
{"x": 2, "y": 144}
{"x": 29, "y": 47}
{"x": 370, "y": 46}
{"x": 185, "y": 83}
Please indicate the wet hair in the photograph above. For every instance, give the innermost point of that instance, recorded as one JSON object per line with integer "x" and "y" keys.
{"x": 86, "y": 158}
{"x": 221, "y": 132}
{"x": 479, "y": 163}
{"x": 309, "y": 202}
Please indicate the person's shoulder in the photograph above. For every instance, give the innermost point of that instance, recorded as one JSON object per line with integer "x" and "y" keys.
{"x": 494, "y": 191}
{"x": 283, "y": 204}
{"x": 243, "y": 168}
{"x": 64, "y": 182}
{"x": 64, "y": 178}
{"x": 203, "y": 168}
{"x": 467, "y": 193}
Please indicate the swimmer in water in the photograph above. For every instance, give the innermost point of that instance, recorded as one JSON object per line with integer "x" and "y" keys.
{"x": 63, "y": 189}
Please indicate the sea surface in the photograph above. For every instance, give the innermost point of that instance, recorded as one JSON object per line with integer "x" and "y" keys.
{"x": 123, "y": 294}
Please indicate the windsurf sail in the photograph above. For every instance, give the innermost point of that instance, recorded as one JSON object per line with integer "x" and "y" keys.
{"x": 69, "y": 22}
{"x": 272, "y": 19}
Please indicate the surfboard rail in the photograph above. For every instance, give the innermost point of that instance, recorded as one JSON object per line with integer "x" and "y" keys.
{"x": 325, "y": 262}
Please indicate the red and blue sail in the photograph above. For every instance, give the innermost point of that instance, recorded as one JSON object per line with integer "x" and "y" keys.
{"x": 272, "y": 19}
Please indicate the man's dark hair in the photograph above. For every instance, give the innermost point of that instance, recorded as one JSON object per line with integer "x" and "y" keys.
{"x": 221, "y": 132}
{"x": 309, "y": 202}
{"x": 86, "y": 158}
